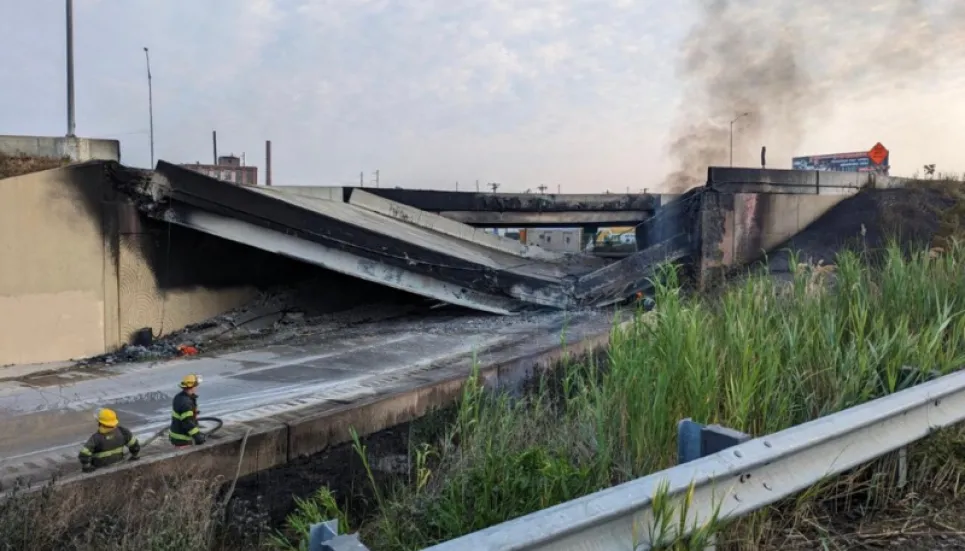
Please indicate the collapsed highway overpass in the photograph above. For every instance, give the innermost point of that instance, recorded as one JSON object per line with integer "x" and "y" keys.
{"x": 372, "y": 238}
{"x": 98, "y": 262}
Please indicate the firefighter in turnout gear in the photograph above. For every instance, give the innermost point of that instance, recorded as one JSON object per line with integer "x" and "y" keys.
{"x": 106, "y": 446}
{"x": 184, "y": 429}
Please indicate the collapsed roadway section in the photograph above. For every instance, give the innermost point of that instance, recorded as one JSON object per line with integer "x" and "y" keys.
{"x": 373, "y": 238}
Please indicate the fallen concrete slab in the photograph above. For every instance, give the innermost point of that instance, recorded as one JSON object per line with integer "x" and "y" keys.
{"x": 447, "y": 226}
{"x": 339, "y": 260}
{"x": 376, "y": 239}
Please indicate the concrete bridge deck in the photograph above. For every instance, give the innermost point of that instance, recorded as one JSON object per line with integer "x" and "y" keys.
{"x": 527, "y": 209}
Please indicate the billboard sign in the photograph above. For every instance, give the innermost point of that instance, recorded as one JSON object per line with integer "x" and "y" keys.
{"x": 875, "y": 160}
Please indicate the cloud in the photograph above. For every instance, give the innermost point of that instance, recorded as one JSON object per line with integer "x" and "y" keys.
{"x": 578, "y": 93}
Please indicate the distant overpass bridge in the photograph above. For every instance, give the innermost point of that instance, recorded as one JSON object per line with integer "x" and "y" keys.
{"x": 522, "y": 210}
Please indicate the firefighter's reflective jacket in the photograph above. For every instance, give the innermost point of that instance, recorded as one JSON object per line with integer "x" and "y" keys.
{"x": 184, "y": 421}
{"x": 106, "y": 447}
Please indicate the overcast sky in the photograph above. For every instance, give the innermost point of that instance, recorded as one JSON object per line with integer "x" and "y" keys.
{"x": 587, "y": 95}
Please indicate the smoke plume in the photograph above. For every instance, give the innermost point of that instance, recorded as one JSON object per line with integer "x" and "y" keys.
{"x": 785, "y": 64}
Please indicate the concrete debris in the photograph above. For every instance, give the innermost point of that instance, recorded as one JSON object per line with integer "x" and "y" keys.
{"x": 135, "y": 353}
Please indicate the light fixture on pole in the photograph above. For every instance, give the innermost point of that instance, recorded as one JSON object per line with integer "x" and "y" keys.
{"x": 70, "y": 69}
{"x": 737, "y": 118}
{"x": 150, "y": 102}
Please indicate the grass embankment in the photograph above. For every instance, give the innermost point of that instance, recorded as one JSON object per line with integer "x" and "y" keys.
{"x": 762, "y": 357}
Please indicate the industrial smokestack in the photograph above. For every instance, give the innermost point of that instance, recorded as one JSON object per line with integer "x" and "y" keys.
{"x": 267, "y": 162}
{"x": 214, "y": 146}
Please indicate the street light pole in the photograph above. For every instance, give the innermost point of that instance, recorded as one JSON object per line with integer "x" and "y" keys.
{"x": 150, "y": 102}
{"x": 70, "y": 69}
{"x": 737, "y": 118}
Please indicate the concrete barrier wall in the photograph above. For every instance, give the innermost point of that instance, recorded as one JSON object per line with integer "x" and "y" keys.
{"x": 77, "y": 149}
{"x": 738, "y": 228}
{"x": 815, "y": 182}
{"x": 81, "y": 273}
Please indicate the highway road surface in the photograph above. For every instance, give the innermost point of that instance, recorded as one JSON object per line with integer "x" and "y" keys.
{"x": 45, "y": 419}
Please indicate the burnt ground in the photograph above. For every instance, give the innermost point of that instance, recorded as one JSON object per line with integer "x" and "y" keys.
{"x": 867, "y": 220}
{"x": 263, "y": 500}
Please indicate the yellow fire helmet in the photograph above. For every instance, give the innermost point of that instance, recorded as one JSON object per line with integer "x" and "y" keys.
{"x": 191, "y": 381}
{"x": 106, "y": 417}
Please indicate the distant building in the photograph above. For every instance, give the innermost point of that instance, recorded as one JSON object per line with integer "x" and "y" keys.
{"x": 228, "y": 169}
{"x": 551, "y": 239}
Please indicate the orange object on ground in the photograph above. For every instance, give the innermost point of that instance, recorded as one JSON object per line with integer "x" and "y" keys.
{"x": 187, "y": 350}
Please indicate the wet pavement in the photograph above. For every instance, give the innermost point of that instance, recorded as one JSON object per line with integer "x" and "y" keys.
{"x": 44, "y": 419}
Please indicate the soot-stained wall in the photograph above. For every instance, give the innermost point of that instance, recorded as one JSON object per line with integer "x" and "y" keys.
{"x": 83, "y": 269}
{"x": 737, "y": 229}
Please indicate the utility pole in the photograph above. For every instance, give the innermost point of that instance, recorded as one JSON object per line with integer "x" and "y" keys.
{"x": 737, "y": 118}
{"x": 541, "y": 188}
{"x": 376, "y": 178}
{"x": 267, "y": 162}
{"x": 477, "y": 186}
{"x": 559, "y": 189}
{"x": 362, "y": 179}
{"x": 70, "y": 69}
{"x": 494, "y": 185}
{"x": 150, "y": 102}
{"x": 214, "y": 146}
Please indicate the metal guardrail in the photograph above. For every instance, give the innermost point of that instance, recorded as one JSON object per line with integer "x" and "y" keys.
{"x": 740, "y": 479}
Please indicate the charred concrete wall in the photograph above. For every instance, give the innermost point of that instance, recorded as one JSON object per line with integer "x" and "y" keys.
{"x": 738, "y": 228}
{"x": 82, "y": 269}
{"x": 54, "y": 274}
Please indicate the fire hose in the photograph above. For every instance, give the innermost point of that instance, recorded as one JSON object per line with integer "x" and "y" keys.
{"x": 218, "y": 423}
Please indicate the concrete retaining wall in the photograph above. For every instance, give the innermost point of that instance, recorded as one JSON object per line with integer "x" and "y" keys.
{"x": 76, "y": 149}
{"x": 81, "y": 271}
{"x": 55, "y": 276}
{"x": 738, "y": 228}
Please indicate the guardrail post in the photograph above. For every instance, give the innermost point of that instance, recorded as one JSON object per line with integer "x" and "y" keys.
{"x": 910, "y": 376}
{"x": 695, "y": 440}
{"x": 324, "y": 536}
